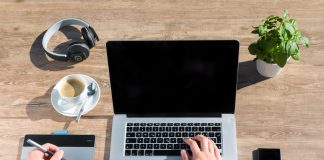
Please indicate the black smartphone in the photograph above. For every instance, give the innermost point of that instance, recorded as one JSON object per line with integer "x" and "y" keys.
{"x": 268, "y": 154}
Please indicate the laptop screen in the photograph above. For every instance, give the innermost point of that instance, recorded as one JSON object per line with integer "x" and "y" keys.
{"x": 164, "y": 77}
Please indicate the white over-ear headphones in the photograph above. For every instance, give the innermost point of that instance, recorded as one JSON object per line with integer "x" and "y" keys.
{"x": 77, "y": 51}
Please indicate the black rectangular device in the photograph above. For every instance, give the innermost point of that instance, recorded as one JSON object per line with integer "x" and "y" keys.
{"x": 268, "y": 154}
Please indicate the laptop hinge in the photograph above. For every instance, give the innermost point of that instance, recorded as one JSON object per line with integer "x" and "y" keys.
{"x": 176, "y": 115}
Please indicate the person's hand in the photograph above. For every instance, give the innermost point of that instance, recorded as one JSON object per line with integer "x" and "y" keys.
{"x": 207, "y": 151}
{"x": 39, "y": 155}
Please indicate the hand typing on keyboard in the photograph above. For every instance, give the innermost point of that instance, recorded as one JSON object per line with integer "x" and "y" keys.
{"x": 206, "y": 150}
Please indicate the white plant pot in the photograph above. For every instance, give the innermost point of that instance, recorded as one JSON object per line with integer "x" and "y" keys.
{"x": 267, "y": 69}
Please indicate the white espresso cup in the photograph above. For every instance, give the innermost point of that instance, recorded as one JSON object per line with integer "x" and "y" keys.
{"x": 72, "y": 90}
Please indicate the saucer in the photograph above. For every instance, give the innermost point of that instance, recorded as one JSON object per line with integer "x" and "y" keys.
{"x": 90, "y": 102}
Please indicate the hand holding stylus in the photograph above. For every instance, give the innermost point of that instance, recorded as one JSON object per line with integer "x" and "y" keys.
{"x": 44, "y": 152}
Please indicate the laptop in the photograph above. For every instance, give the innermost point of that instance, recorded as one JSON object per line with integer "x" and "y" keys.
{"x": 164, "y": 91}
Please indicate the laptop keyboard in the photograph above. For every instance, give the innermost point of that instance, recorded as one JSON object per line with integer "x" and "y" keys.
{"x": 166, "y": 139}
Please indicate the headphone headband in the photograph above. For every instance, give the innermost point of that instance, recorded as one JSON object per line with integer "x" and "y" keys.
{"x": 54, "y": 28}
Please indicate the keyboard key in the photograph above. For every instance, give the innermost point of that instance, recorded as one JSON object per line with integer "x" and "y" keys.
{"x": 211, "y": 134}
{"x": 129, "y": 146}
{"x": 152, "y": 135}
{"x": 143, "y": 124}
{"x": 156, "y": 124}
{"x": 136, "y": 124}
{"x": 173, "y": 140}
{"x": 207, "y": 129}
{"x": 149, "y": 146}
{"x": 196, "y": 124}
{"x": 134, "y": 152}
{"x": 138, "y": 134}
{"x": 161, "y": 129}
{"x": 155, "y": 129}
{"x": 127, "y": 152}
{"x": 169, "y": 124}
{"x": 146, "y": 140}
{"x": 163, "y": 146}
{"x": 181, "y": 128}
{"x": 169, "y": 146}
{"x": 185, "y": 134}
{"x": 153, "y": 140}
{"x": 201, "y": 128}
{"x": 183, "y": 146}
{"x": 149, "y": 129}
{"x": 171, "y": 134}
{"x": 139, "y": 140}
{"x": 140, "y": 153}
{"x": 130, "y": 134}
{"x": 143, "y": 146}
{"x": 165, "y": 134}
{"x": 210, "y": 124}
{"x": 136, "y": 146}
{"x": 174, "y": 129}
{"x": 176, "y": 146}
{"x": 163, "y": 124}
{"x": 166, "y": 140}
{"x": 135, "y": 129}
{"x": 194, "y": 129}
{"x": 166, "y": 152}
{"x": 178, "y": 134}
{"x": 176, "y": 124}
{"x": 219, "y": 146}
{"x": 130, "y": 140}
{"x": 188, "y": 129}
{"x": 179, "y": 140}
{"x": 156, "y": 146}
{"x": 204, "y": 124}
{"x": 148, "y": 152}
{"x": 183, "y": 124}
{"x": 150, "y": 124}
{"x": 129, "y": 124}
{"x": 129, "y": 129}
{"x": 219, "y": 140}
{"x": 145, "y": 134}
{"x": 217, "y": 124}
{"x": 142, "y": 129}
{"x": 190, "y": 124}
{"x": 160, "y": 140}
{"x": 191, "y": 134}
{"x": 168, "y": 129}
{"x": 218, "y": 135}
{"x": 216, "y": 129}
{"x": 158, "y": 134}
{"x": 205, "y": 134}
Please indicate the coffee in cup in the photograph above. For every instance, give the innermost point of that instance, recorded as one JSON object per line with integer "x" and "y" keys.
{"x": 72, "y": 90}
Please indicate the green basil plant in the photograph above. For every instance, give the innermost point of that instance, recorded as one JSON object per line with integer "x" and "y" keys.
{"x": 279, "y": 39}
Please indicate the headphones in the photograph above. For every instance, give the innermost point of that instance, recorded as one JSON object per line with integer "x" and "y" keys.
{"x": 76, "y": 51}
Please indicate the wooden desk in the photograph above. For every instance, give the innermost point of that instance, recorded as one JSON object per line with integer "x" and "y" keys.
{"x": 283, "y": 112}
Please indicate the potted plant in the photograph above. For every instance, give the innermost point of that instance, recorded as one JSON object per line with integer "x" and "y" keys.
{"x": 279, "y": 39}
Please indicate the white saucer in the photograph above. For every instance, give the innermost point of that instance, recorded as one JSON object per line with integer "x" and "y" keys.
{"x": 90, "y": 102}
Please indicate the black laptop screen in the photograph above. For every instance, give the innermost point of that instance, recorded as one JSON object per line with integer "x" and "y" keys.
{"x": 162, "y": 77}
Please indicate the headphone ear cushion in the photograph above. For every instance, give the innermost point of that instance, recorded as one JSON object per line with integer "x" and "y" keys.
{"x": 78, "y": 51}
{"x": 88, "y": 37}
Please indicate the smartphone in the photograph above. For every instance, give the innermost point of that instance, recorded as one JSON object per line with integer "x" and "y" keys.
{"x": 268, "y": 154}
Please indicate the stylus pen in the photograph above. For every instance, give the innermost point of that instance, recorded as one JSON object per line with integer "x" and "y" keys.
{"x": 43, "y": 149}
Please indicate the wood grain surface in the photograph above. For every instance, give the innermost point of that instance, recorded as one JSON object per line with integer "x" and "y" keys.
{"x": 284, "y": 112}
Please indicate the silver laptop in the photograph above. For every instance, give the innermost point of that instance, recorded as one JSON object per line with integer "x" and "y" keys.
{"x": 75, "y": 147}
{"x": 164, "y": 91}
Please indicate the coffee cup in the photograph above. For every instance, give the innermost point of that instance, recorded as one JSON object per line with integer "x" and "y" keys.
{"x": 72, "y": 90}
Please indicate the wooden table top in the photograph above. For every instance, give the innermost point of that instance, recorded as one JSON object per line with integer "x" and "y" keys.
{"x": 283, "y": 112}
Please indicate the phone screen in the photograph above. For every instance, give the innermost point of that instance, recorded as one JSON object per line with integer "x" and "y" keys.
{"x": 269, "y": 154}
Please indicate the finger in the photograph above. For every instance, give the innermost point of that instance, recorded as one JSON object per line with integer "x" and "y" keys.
{"x": 211, "y": 146}
{"x": 193, "y": 145}
{"x": 184, "y": 155}
{"x": 51, "y": 147}
{"x": 217, "y": 153}
{"x": 203, "y": 142}
{"x": 36, "y": 155}
{"x": 57, "y": 155}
